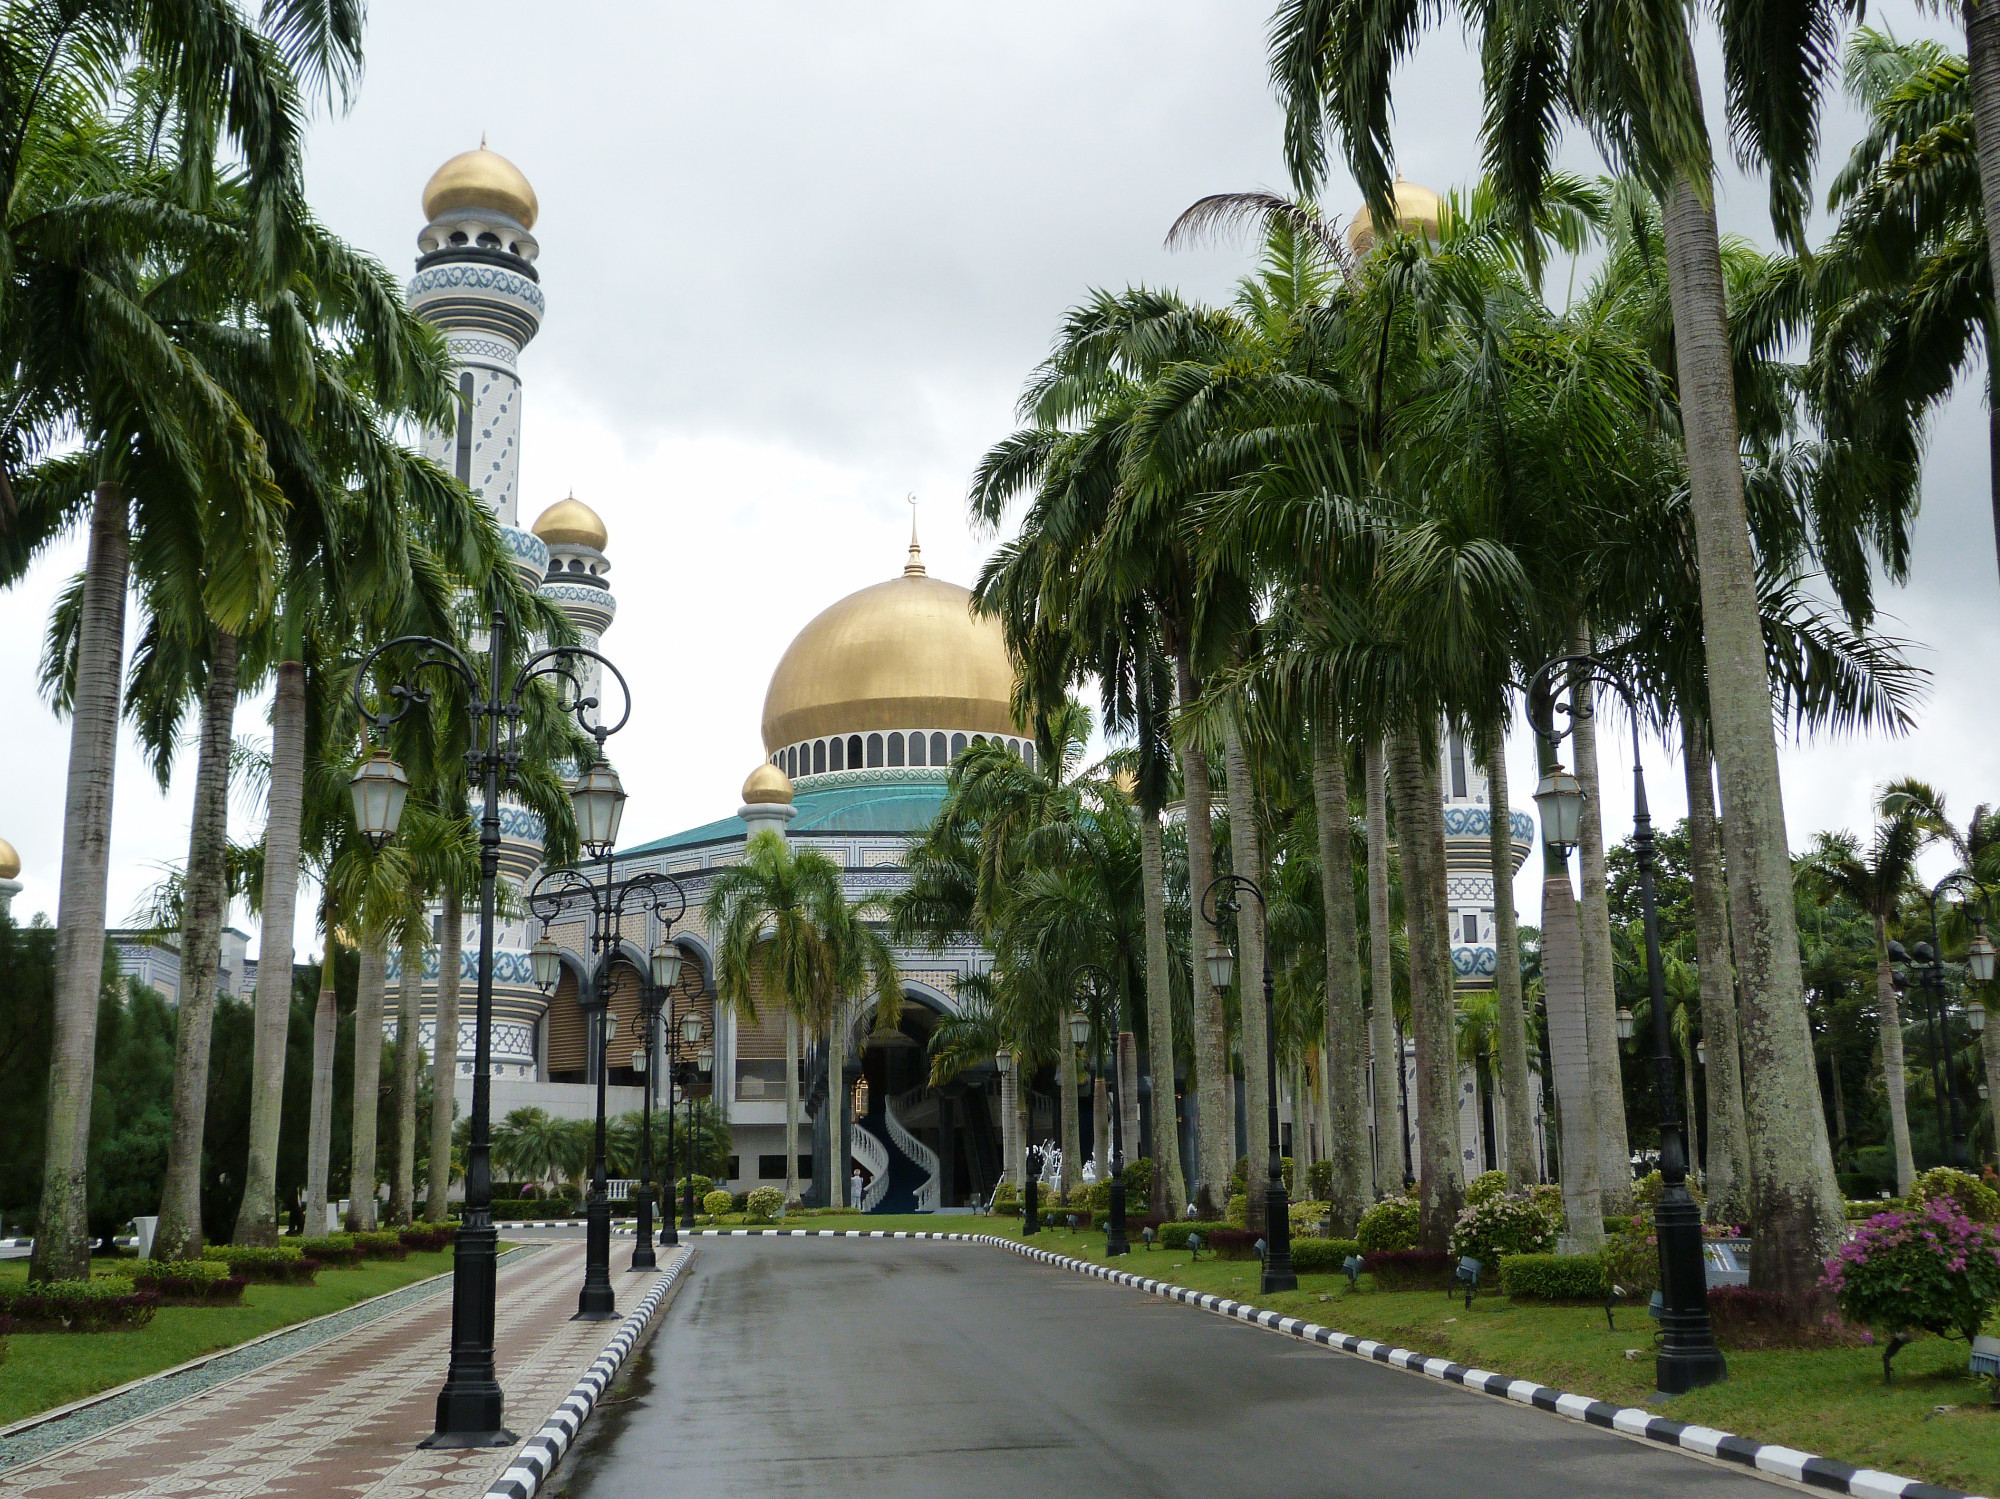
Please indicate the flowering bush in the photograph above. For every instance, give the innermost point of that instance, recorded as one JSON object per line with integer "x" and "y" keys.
{"x": 1485, "y": 1187}
{"x": 1935, "y": 1269}
{"x": 763, "y": 1203}
{"x": 1499, "y": 1226}
{"x": 1388, "y": 1226}
{"x": 1971, "y": 1196}
{"x": 1548, "y": 1196}
{"x": 1632, "y": 1260}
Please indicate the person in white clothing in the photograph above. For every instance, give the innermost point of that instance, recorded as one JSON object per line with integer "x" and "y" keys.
{"x": 855, "y": 1200}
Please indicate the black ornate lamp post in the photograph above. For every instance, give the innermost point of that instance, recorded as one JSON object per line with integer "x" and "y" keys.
{"x": 1688, "y": 1355}
{"x": 1929, "y": 965}
{"x": 689, "y": 1060}
{"x": 1031, "y": 1218}
{"x": 1095, "y": 996}
{"x": 471, "y": 1407}
{"x": 1217, "y": 901}
{"x": 666, "y": 972}
{"x": 608, "y": 900}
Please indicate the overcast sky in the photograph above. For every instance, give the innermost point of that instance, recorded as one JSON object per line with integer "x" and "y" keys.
{"x": 798, "y": 260}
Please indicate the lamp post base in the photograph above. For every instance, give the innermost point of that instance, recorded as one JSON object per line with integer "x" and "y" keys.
{"x": 1115, "y": 1241}
{"x": 597, "y": 1302}
{"x": 1278, "y": 1273}
{"x": 642, "y": 1247}
{"x": 1688, "y": 1356}
{"x": 472, "y": 1406}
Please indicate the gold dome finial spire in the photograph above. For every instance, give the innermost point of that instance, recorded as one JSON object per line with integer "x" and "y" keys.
{"x": 914, "y": 568}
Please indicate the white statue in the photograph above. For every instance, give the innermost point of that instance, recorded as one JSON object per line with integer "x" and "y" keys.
{"x": 1090, "y": 1171}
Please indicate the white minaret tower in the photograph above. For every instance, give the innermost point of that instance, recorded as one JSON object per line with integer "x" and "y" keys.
{"x": 476, "y": 279}
{"x": 575, "y": 581}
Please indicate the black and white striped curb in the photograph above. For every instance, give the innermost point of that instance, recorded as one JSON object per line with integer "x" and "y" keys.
{"x": 534, "y": 1462}
{"x": 834, "y": 1233}
{"x": 1784, "y": 1462}
{"x": 565, "y": 1223}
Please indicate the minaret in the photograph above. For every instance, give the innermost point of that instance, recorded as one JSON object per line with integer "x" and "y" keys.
{"x": 476, "y": 279}
{"x": 575, "y": 584}
{"x": 10, "y": 869}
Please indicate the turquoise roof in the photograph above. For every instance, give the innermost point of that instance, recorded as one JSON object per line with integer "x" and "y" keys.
{"x": 900, "y": 807}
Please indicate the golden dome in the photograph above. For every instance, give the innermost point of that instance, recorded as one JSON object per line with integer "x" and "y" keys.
{"x": 573, "y": 522}
{"x": 767, "y": 784}
{"x": 905, "y": 654}
{"x": 1417, "y": 207}
{"x": 10, "y": 862}
{"x": 481, "y": 179}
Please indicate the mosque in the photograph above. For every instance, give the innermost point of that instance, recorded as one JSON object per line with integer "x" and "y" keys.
{"x": 863, "y": 714}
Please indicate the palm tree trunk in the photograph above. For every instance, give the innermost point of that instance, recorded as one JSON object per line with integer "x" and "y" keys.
{"x": 444, "y": 1054}
{"x": 257, "y": 1219}
{"x": 1420, "y": 828}
{"x": 1728, "y": 1151}
{"x": 1215, "y": 1084}
{"x": 1342, "y": 1084}
{"x": 1072, "y": 1123}
{"x": 1982, "y": 49}
{"x": 1386, "y": 1059}
{"x": 1593, "y": 909}
{"x": 1127, "y": 1064}
{"x": 1895, "y": 1077}
{"x": 319, "y": 1138}
{"x": 1246, "y": 859}
{"x": 206, "y": 897}
{"x": 1516, "y": 1089}
{"x": 62, "y": 1232}
{"x": 792, "y": 1109}
{"x": 1797, "y": 1218}
{"x": 368, "y": 994}
{"x": 1169, "y": 1184}
{"x": 1989, "y": 1046}
{"x": 1100, "y": 1123}
{"x": 409, "y": 990}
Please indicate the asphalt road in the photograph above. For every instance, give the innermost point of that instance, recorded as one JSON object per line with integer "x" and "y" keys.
{"x": 839, "y": 1368}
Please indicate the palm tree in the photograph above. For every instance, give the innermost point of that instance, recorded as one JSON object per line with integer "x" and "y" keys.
{"x": 1639, "y": 97}
{"x": 789, "y": 935}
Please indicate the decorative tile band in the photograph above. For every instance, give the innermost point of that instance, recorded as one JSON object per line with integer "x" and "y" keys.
{"x": 533, "y": 1464}
{"x": 1764, "y": 1457}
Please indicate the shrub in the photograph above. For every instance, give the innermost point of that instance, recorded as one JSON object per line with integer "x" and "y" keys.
{"x": 1321, "y": 1256}
{"x": 106, "y": 1304}
{"x": 1632, "y": 1260}
{"x": 1484, "y": 1187}
{"x": 1389, "y": 1226}
{"x": 1175, "y": 1235}
{"x": 763, "y": 1204}
{"x": 1410, "y": 1269}
{"x": 1057, "y": 1215}
{"x": 1496, "y": 1227}
{"x": 280, "y": 1262}
{"x": 1232, "y": 1243}
{"x": 717, "y": 1203}
{"x": 1307, "y": 1216}
{"x": 1138, "y": 1184}
{"x": 1647, "y": 1189}
{"x": 739, "y": 1202}
{"x": 1237, "y": 1210}
{"x": 428, "y": 1238}
{"x": 1548, "y": 1198}
{"x": 338, "y": 1250}
{"x": 1855, "y": 1185}
{"x": 1007, "y": 1198}
{"x": 703, "y": 1185}
{"x": 1239, "y": 1176}
{"x": 182, "y": 1282}
{"x": 1319, "y": 1180}
{"x": 1971, "y": 1196}
{"x": 531, "y": 1208}
{"x": 1935, "y": 1269}
{"x": 386, "y": 1244}
{"x": 1553, "y": 1277}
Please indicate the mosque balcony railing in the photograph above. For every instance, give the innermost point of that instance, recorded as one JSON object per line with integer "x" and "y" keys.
{"x": 760, "y": 1079}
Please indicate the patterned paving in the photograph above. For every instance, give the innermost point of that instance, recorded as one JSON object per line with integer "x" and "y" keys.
{"x": 343, "y": 1418}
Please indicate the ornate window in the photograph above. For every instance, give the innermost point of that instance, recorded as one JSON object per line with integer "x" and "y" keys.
{"x": 837, "y": 755}
{"x": 874, "y": 751}
{"x": 819, "y": 756}
{"x": 853, "y": 751}
{"x": 895, "y": 749}
{"x": 938, "y": 754}
{"x": 957, "y": 745}
{"x": 1028, "y": 753}
{"x": 917, "y": 747}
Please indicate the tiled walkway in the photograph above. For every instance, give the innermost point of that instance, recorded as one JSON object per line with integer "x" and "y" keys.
{"x": 343, "y": 1418}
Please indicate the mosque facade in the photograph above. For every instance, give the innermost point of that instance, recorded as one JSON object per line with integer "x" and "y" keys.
{"x": 864, "y": 712}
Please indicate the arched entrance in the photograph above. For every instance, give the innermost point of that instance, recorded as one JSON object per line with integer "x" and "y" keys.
{"x": 922, "y": 1148}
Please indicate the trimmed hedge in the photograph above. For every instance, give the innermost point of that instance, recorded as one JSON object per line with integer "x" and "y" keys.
{"x": 1390, "y": 1226}
{"x": 533, "y": 1208}
{"x": 184, "y": 1282}
{"x": 337, "y": 1250}
{"x": 1175, "y": 1235}
{"x": 428, "y": 1238}
{"x": 1322, "y": 1256}
{"x": 280, "y": 1262}
{"x": 385, "y": 1244}
{"x": 107, "y": 1304}
{"x": 1554, "y": 1277}
{"x": 1410, "y": 1269}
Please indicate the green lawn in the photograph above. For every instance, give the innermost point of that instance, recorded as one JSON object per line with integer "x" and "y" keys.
{"x": 1830, "y": 1401}
{"x": 41, "y": 1370}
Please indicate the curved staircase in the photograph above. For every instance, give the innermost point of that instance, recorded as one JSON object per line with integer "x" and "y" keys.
{"x": 910, "y": 1182}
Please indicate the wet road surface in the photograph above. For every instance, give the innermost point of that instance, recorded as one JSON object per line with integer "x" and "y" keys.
{"x": 839, "y": 1368}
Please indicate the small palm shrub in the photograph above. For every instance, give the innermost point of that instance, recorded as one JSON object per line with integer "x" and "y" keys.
{"x": 763, "y": 1203}
{"x": 1971, "y": 1196}
{"x": 715, "y": 1204}
{"x": 1934, "y": 1269}
{"x": 1496, "y": 1227}
{"x": 1389, "y": 1226}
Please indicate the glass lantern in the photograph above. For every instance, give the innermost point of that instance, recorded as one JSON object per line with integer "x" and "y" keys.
{"x": 1559, "y": 798}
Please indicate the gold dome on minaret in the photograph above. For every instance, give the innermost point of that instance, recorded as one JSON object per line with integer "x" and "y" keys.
{"x": 481, "y": 179}
{"x": 1417, "y": 208}
{"x": 767, "y": 784}
{"x": 573, "y": 522}
{"x": 10, "y": 862}
{"x": 905, "y": 654}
